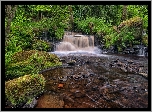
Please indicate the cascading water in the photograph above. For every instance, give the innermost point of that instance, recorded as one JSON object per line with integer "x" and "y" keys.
{"x": 77, "y": 44}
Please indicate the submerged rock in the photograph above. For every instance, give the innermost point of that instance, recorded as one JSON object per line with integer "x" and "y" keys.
{"x": 50, "y": 101}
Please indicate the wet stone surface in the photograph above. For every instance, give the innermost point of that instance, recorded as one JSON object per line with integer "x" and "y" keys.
{"x": 91, "y": 81}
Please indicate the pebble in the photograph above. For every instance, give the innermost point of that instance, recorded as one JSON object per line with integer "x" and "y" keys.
{"x": 94, "y": 88}
{"x": 76, "y": 77}
{"x": 63, "y": 78}
{"x": 91, "y": 74}
{"x": 78, "y": 94}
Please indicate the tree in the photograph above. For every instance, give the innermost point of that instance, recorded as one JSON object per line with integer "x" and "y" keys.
{"x": 10, "y": 14}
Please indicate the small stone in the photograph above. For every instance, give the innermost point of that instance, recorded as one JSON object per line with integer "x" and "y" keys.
{"x": 116, "y": 60}
{"x": 135, "y": 87}
{"x": 94, "y": 88}
{"x": 76, "y": 77}
{"x": 78, "y": 94}
{"x": 130, "y": 61}
{"x": 100, "y": 78}
{"x": 63, "y": 78}
{"x": 91, "y": 74}
{"x": 72, "y": 62}
{"x": 111, "y": 65}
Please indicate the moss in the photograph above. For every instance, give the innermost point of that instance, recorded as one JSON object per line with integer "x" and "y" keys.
{"x": 24, "y": 88}
{"x": 32, "y": 61}
{"x": 145, "y": 40}
{"x": 135, "y": 21}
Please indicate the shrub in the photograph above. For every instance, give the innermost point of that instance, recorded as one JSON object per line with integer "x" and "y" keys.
{"x": 40, "y": 45}
{"x": 22, "y": 89}
{"x": 27, "y": 62}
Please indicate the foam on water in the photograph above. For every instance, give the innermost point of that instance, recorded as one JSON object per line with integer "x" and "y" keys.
{"x": 95, "y": 52}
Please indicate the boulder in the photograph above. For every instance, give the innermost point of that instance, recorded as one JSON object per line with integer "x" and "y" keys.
{"x": 24, "y": 88}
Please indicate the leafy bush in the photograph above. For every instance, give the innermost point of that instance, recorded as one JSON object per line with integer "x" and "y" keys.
{"x": 27, "y": 62}
{"x": 125, "y": 33}
{"x": 40, "y": 45}
{"x": 22, "y": 89}
{"x": 99, "y": 26}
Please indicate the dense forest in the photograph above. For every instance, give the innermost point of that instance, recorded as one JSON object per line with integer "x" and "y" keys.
{"x": 121, "y": 25}
{"x": 113, "y": 24}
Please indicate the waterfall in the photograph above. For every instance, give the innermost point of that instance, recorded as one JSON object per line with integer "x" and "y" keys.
{"x": 76, "y": 43}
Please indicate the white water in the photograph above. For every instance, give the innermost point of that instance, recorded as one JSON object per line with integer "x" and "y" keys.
{"x": 77, "y": 44}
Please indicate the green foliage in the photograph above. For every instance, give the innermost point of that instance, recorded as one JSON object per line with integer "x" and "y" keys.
{"x": 106, "y": 22}
{"x": 99, "y": 26}
{"x": 126, "y": 32}
{"x": 40, "y": 45}
{"x": 22, "y": 89}
{"x": 59, "y": 33}
{"x": 145, "y": 40}
{"x": 27, "y": 62}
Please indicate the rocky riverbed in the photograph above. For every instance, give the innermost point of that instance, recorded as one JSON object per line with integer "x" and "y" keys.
{"x": 96, "y": 81}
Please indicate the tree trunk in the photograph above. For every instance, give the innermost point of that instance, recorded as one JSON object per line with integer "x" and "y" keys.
{"x": 10, "y": 14}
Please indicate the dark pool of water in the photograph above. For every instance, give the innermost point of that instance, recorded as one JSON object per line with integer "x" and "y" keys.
{"x": 89, "y": 82}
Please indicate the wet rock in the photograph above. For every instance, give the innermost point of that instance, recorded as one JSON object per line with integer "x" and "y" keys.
{"x": 76, "y": 77}
{"x": 54, "y": 78}
{"x": 89, "y": 80}
{"x": 116, "y": 80}
{"x": 31, "y": 104}
{"x": 50, "y": 101}
{"x": 124, "y": 69}
{"x": 87, "y": 62}
{"x": 144, "y": 75}
{"x": 129, "y": 61}
{"x": 63, "y": 78}
{"x": 63, "y": 60}
{"x": 135, "y": 87}
{"x": 100, "y": 78}
{"x": 111, "y": 65}
{"x": 85, "y": 75}
{"x": 94, "y": 88}
{"x": 91, "y": 74}
{"x": 66, "y": 97}
{"x": 71, "y": 63}
{"x": 115, "y": 61}
{"x": 119, "y": 64}
{"x": 74, "y": 86}
{"x": 78, "y": 94}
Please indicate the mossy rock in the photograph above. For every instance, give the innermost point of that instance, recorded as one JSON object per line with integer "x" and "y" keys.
{"x": 24, "y": 88}
{"x": 32, "y": 61}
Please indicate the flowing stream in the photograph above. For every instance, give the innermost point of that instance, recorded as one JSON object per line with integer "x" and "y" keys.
{"x": 88, "y": 79}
